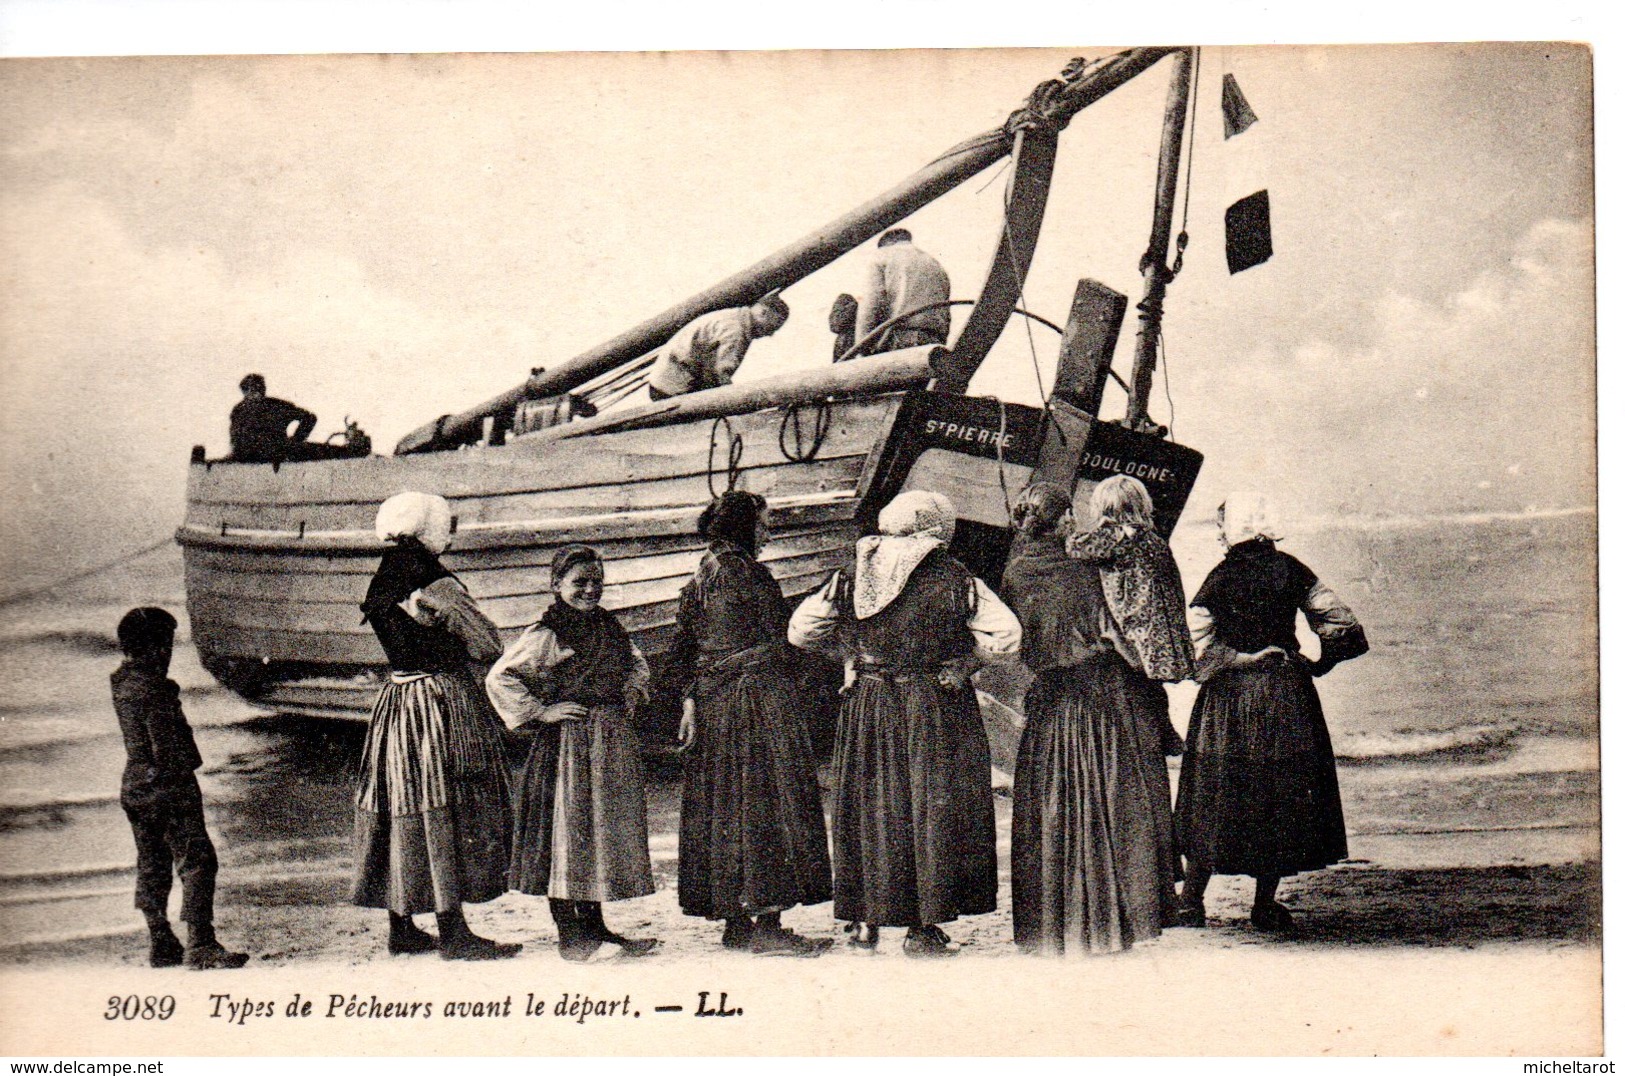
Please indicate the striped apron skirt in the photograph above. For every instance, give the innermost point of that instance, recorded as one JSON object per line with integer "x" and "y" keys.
{"x": 432, "y": 822}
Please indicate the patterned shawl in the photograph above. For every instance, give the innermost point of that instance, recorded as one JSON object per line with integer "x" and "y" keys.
{"x": 1144, "y": 594}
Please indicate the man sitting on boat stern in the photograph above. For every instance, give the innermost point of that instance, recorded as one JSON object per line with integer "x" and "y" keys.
{"x": 259, "y": 429}
{"x": 902, "y": 279}
{"x": 705, "y": 353}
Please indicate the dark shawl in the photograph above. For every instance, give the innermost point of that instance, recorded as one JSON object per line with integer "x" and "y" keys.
{"x": 408, "y": 566}
{"x": 597, "y": 671}
{"x": 1058, "y": 601}
{"x": 1254, "y": 595}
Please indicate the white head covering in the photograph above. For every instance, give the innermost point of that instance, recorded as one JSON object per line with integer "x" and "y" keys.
{"x": 423, "y": 516}
{"x": 919, "y": 512}
{"x": 911, "y": 526}
{"x": 1247, "y": 515}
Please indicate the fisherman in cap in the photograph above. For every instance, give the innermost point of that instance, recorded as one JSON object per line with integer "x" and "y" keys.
{"x": 705, "y": 353}
{"x": 259, "y": 429}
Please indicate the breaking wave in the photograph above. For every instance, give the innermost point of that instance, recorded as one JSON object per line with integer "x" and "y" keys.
{"x": 1470, "y": 743}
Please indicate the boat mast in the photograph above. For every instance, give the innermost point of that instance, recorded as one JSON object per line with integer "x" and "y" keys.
{"x": 1154, "y": 265}
{"x": 1057, "y": 101}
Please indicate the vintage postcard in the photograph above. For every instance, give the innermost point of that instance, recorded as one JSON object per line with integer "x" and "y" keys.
{"x": 1019, "y": 551}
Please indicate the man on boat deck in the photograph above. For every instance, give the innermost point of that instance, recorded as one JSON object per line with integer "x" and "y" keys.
{"x": 903, "y": 279}
{"x": 705, "y": 353}
{"x": 259, "y": 428}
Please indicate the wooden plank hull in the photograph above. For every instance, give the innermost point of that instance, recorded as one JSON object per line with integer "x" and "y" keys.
{"x": 278, "y": 559}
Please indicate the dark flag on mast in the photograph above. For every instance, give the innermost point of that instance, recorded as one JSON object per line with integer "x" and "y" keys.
{"x": 1247, "y": 232}
{"x": 1247, "y": 222}
{"x": 1238, "y": 115}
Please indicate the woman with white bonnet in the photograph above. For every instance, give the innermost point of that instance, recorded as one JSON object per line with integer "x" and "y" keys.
{"x": 432, "y": 811}
{"x": 1258, "y": 790}
{"x": 913, "y": 810}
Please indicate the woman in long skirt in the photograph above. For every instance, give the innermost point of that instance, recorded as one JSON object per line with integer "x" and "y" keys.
{"x": 1258, "y": 791}
{"x": 1089, "y": 865}
{"x": 913, "y": 815}
{"x": 432, "y": 822}
{"x": 752, "y": 840}
{"x": 581, "y": 835}
{"x": 1146, "y": 625}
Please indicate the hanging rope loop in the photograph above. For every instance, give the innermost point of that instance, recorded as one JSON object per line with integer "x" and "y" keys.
{"x": 803, "y": 452}
{"x": 736, "y": 452}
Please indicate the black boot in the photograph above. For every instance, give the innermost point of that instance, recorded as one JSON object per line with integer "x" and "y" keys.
{"x": 576, "y": 941}
{"x": 204, "y": 951}
{"x": 772, "y": 938}
{"x": 929, "y": 942}
{"x": 165, "y": 950}
{"x": 457, "y": 942}
{"x": 591, "y": 914}
{"x": 405, "y": 937}
{"x": 736, "y": 932}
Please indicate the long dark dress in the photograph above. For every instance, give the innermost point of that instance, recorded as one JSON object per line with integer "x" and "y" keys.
{"x": 581, "y": 826}
{"x": 1145, "y": 623}
{"x": 1258, "y": 789}
{"x": 431, "y": 807}
{"x": 913, "y": 813}
{"x": 1088, "y": 865}
{"x": 752, "y": 837}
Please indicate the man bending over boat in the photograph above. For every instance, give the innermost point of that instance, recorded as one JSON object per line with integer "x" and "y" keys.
{"x": 903, "y": 279}
{"x": 705, "y": 353}
{"x": 259, "y": 429}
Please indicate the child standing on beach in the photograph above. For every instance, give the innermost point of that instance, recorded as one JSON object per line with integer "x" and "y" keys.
{"x": 161, "y": 798}
{"x": 581, "y": 837}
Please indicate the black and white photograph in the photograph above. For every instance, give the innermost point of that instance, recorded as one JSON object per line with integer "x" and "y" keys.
{"x": 1069, "y": 550}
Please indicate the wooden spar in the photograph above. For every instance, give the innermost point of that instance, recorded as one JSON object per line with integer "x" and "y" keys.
{"x": 891, "y": 372}
{"x": 1154, "y": 265}
{"x": 1055, "y": 101}
{"x": 1034, "y": 156}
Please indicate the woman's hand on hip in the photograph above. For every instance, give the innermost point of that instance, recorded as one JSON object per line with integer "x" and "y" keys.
{"x": 564, "y": 711}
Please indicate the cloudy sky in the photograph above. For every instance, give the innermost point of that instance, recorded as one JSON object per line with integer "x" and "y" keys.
{"x": 395, "y": 237}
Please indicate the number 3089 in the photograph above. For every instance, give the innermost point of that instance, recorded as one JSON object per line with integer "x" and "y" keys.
{"x": 135, "y": 1007}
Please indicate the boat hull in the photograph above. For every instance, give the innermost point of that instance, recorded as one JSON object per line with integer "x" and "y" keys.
{"x": 278, "y": 558}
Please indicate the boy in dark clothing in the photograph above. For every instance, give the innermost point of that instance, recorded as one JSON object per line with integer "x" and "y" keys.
{"x": 160, "y": 795}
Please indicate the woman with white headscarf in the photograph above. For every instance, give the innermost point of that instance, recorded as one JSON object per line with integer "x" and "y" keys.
{"x": 1258, "y": 789}
{"x": 432, "y": 811}
{"x": 913, "y": 811}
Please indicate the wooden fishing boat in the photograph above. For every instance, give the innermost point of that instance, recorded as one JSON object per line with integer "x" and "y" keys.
{"x": 277, "y": 556}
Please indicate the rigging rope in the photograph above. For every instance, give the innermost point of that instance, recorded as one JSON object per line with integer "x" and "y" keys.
{"x": 792, "y": 416}
{"x": 118, "y": 562}
{"x": 1190, "y": 164}
{"x": 1167, "y": 382}
{"x": 736, "y": 452}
